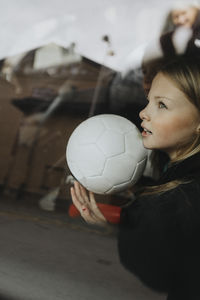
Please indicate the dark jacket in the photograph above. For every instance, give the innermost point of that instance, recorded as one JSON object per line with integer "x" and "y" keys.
{"x": 159, "y": 235}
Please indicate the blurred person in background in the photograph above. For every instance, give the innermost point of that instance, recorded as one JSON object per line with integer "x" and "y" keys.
{"x": 182, "y": 14}
{"x": 181, "y": 31}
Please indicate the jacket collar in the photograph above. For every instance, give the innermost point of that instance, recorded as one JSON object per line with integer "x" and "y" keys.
{"x": 186, "y": 169}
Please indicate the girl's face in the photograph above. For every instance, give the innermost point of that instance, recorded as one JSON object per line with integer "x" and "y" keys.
{"x": 170, "y": 120}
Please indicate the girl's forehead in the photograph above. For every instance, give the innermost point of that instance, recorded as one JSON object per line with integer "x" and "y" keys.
{"x": 164, "y": 86}
{"x": 161, "y": 81}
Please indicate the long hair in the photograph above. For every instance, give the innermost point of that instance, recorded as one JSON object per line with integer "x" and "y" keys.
{"x": 184, "y": 72}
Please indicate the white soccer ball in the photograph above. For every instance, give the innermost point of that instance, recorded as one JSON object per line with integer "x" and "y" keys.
{"x": 105, "y": 154}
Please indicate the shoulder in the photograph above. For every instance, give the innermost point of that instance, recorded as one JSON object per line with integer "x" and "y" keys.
{"x": 161, "y": 230}
{"x": 182, "y": 200}
{"x": 188, "y": 194}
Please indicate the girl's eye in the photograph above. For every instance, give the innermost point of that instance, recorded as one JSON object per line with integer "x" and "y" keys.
{"x": 161, "y": 105}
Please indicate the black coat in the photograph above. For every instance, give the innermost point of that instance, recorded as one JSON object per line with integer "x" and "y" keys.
{"x": 159, "y": 235}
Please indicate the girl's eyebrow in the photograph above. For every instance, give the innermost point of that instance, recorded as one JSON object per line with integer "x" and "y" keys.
{"x": 163, "y": 97}
{"x": 159, "y": 98}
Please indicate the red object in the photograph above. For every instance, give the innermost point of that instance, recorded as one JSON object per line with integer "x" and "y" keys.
{"x": 110, "y": 212}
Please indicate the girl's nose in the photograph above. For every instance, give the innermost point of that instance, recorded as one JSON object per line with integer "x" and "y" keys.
{"x": 144, "y": 115}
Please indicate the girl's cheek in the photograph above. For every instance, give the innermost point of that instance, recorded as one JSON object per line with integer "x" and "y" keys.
{"x": 172, "y": 124}
{"x": 163, "y": 130}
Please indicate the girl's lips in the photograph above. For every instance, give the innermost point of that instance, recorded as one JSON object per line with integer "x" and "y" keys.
{"x": 145, "y": 128}
{"x": 146, "y": 132}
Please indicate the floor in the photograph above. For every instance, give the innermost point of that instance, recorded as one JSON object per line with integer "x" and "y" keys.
{"x": 49, "y": 256}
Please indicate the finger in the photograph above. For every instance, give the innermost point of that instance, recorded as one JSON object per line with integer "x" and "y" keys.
{"x": 97, "y": 220}
{"x": 90, "y": 215}
{"x": 78, "y": 191}
{"x": 75, "y": 199}
{"x": 91, "y": 219}
{"x": 87, "y": 215}
{"x": 84, "y": 211}
{"x": 84, "y": 194}
{"x": 92, "y": 200}
{"x": 97, "y": 213}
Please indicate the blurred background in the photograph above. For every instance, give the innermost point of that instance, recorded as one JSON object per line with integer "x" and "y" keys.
{"x": 61, "y": 62}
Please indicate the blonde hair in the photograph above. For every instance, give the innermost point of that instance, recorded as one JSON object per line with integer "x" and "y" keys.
{"x": 184, "y": 71}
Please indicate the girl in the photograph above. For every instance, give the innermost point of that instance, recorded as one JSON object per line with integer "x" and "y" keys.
{"x": 159, "y": 232}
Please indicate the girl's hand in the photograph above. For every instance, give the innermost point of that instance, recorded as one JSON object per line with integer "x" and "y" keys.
{"x": 86, "y": 204}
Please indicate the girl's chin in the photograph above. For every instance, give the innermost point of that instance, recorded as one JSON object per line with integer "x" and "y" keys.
{"x": 147, "y": 145}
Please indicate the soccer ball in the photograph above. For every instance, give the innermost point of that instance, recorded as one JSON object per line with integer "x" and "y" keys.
{"x": 105, "y": 154}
